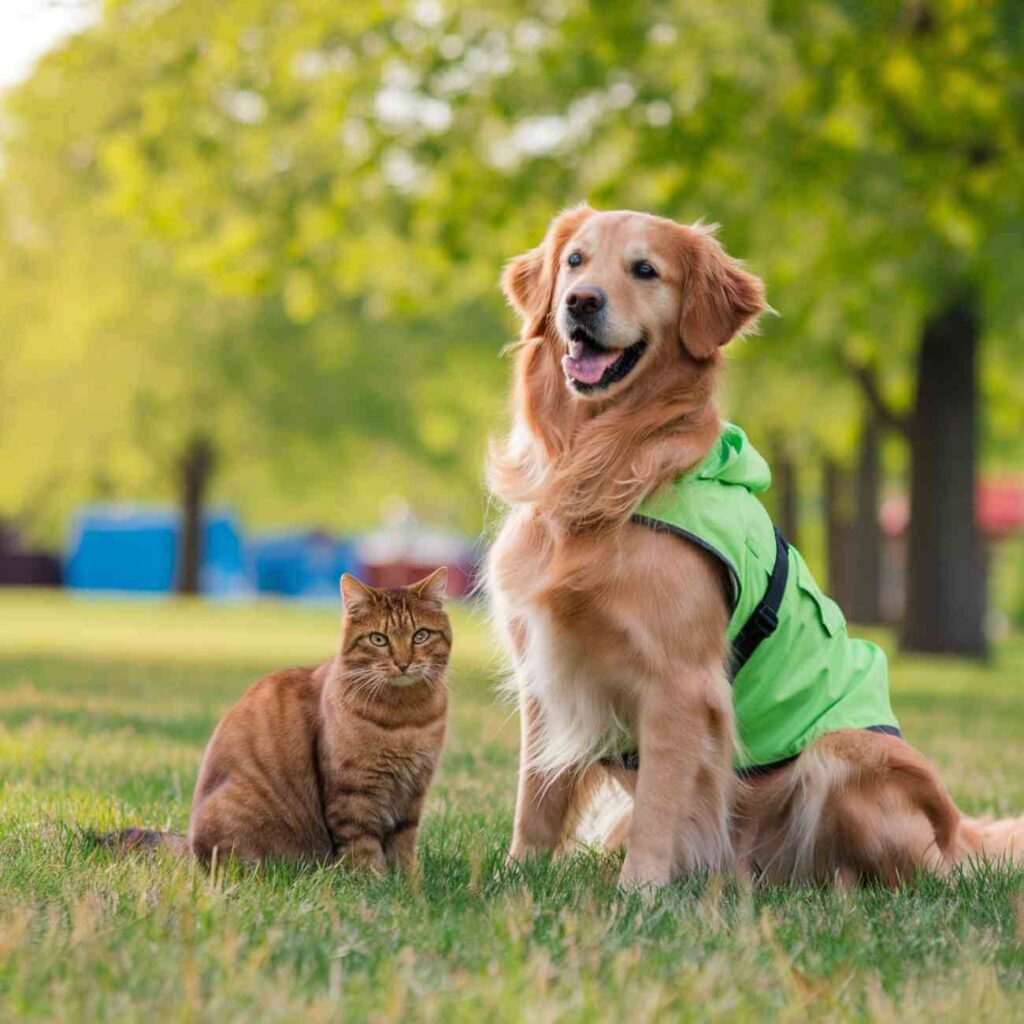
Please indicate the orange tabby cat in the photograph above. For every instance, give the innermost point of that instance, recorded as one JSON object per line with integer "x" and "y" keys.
{"x": 332, "y": 762}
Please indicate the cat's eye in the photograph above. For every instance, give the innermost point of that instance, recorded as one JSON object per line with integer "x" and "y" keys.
{"x": 421, "y": 636}
{"x": 378, "y": 640}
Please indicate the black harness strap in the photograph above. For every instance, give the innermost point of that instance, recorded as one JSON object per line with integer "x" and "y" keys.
{"x": 631, "y": 761}
{"x": 764, "y": 619}
{"x": 753, "y": 771}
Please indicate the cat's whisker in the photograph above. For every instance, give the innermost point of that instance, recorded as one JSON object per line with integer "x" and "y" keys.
{"x": 310, "y": 761}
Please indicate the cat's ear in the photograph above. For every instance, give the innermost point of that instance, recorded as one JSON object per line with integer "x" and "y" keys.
{"x": 434, "y": 587}
{"x": 354, "y": 592}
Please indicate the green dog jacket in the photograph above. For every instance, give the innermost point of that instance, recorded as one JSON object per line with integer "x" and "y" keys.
{"x": 805, "y": 676}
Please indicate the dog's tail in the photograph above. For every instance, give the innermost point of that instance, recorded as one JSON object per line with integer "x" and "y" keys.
{"x": 960, "y": 838}
{"x": 605, "y": 819}
{"x": 145, "y": 840}
{"x": 600, "y": 812}
{"x": 998, "y": 839}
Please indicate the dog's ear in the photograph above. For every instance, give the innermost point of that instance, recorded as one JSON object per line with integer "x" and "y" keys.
{"x": 521, "y": 282}
{"x": 720, "y": 299}
{"x": 529, "y": 280}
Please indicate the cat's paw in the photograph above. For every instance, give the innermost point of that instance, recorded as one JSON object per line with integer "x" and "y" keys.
{"x": 365, "y": 854}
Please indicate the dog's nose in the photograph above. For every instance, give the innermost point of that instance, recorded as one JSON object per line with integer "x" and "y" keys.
{"x": 585, "y": 299}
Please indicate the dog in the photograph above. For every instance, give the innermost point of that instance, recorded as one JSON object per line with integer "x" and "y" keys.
{"x": 619, "y": 634}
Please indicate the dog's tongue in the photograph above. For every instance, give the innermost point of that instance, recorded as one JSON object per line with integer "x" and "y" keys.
{"x": 587, "y": 366}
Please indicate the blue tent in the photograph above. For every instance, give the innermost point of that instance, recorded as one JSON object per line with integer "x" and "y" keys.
{"x": 304, "y": 564}
{"x": 134, "y": 548}
{"x": 222, "y": 573}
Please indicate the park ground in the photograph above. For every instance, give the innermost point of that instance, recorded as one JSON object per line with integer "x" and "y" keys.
{"x": 104, "y": 710}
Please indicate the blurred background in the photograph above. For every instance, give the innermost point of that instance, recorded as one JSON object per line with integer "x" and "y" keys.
{"x": 250, "y": 328}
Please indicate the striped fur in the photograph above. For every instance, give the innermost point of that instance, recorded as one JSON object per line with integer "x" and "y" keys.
{"x": 332, "y": 762}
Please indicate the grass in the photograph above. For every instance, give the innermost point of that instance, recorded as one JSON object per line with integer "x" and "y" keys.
{"x": 104, "y": 711}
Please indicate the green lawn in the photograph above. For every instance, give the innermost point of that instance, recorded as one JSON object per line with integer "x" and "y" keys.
{"x": 104, "y": 710}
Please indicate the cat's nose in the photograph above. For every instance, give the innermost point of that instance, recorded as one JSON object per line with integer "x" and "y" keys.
{"x": 402, "y": 668}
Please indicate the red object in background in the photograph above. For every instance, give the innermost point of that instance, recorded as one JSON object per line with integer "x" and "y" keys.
{"x": 401, "y": 574}
{"x": 999, "y": 506}
{"x": 403, "y": 551}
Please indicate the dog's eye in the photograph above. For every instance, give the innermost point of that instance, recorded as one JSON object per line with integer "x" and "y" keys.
{"x": 421, "y": 636}
{"x": 644, "y": 269}
{"x": 378, "y": 640}
{"x": 575, "y": 259}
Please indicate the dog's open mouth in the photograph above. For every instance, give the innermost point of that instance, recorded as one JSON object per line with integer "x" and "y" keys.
{"x": 589, "y": 366}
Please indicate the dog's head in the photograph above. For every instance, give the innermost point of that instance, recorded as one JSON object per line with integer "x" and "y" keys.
{"x": 629, "y": 295}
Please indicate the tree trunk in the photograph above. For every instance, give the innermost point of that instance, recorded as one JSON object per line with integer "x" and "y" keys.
{"x": 946, "y": 598}
{"x": 838, "y": 534}
{"x": 833, "y": 542}
{"x": 787, "y": 494}
{"x": 195, "y": 468}
{"x": 866, "y": 585}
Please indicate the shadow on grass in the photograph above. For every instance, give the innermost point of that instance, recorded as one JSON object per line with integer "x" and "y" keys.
{"x": 76, "y": 674}
{"x": 181, "y": 728}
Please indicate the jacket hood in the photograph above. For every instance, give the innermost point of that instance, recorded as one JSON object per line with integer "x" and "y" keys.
{"x": 734, "y": 460}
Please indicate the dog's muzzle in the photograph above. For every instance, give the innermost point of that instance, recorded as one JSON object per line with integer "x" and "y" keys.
{"x": 589, "y": 366}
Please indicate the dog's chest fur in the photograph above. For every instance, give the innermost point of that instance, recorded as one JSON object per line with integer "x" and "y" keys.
{"x": 592, "y": 621}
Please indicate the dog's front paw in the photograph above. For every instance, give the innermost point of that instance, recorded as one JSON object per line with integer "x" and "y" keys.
{"x": 520, "y": 855}
{"x": 528, "y": 848}
{"x": 637, "y": 875}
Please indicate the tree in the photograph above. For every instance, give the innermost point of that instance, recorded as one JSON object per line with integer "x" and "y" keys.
{"x": 328, "y": 165}
{"x": 920, "y": 105}
{"x": 133, "y": 375}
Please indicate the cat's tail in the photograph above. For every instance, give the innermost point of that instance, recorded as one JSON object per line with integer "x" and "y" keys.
{"x": 145, "y": 840}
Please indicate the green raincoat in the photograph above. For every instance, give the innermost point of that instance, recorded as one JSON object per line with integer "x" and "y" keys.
{"x": 809, "y": 677}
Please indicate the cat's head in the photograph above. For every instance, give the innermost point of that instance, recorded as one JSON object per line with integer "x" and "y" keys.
{"x": 396, "y": 636}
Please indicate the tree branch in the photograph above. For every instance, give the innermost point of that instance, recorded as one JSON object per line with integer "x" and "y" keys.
{"x": 866, "y": 375}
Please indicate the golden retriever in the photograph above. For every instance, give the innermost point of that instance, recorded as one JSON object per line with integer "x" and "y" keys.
{"x": 617, "y": 633}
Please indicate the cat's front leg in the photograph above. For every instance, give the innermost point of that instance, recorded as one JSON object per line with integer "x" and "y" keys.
{"x": 401, "y": 847}
{"x": 364, "y": 851}
{"x": 355, "y": 832}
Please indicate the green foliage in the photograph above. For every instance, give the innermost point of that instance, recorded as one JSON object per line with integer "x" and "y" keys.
{"x": 109, "y": 733}
{"x": 281, "y": 223}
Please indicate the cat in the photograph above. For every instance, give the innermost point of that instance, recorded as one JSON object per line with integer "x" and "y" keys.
{"x": 331, "y": 763}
